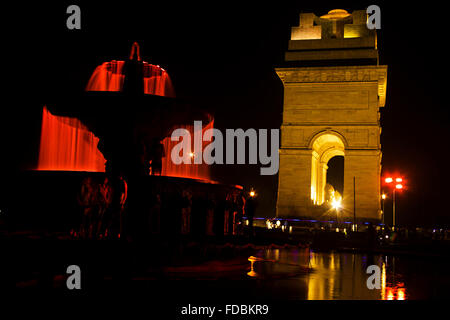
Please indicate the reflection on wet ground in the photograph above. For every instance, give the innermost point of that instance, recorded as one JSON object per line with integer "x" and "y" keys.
{"x": 342, "y": 275}
{"x": 279, "y": 272}
{"x": 301, "y": 274}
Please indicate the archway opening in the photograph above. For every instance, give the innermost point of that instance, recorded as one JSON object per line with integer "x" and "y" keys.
{"x": 335, "y": 174}
{"x": 325, "y": 146}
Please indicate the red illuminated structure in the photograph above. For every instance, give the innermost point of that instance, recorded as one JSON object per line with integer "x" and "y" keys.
{"x": 68, "y": 145}
{"x": 194, "y": 171}
{"x": 109, "y": 76}
{"x": 73, "y": 143}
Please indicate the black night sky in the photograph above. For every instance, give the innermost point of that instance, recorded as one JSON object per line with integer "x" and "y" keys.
{"x": 222, "y": 55}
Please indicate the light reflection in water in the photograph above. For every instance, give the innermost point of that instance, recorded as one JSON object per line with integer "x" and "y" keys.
{"x": 334, "y": 275}
{"x": 390, "y": 294}
{"x": 401, "y": 294}
{"x": 392, "y": 288}
{"x": 343, "y": 276}
{"x": 383, "y": 281}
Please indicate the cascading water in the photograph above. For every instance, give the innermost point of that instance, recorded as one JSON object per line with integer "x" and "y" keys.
{"x": 67, "y": 145}
{"x": 194, "y": 171}
{"x": 109, "y": 76}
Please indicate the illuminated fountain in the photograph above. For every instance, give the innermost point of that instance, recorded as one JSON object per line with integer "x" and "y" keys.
{"x": 111, "y": 129}
{"x": 126, "y": 106}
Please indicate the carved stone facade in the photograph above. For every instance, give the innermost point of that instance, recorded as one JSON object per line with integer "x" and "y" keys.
{"x": 331, "y": 111}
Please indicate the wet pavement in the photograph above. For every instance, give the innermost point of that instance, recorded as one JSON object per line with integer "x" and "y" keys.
{"x": 300, "y": 274}
{"x": 221, "y": 271}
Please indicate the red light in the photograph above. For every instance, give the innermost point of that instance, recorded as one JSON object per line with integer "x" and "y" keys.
{"x": 110, "y": 76}
{"x": 390, "y": 294}
{"x": 68, "y": 145}
{"x": 388, "y": 180}
{"x": 398, "y": 180}
{"x": 401, "y": 294}
{"x": 399, "y": 186}
{"x": 194, "y": 171}
{"x": 135, "y": 47}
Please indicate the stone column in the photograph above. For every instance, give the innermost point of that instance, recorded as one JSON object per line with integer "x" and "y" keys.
{"x": 322, "y": 174}
{"x": 365, "y": 166}
{"x": 294, "y": 188}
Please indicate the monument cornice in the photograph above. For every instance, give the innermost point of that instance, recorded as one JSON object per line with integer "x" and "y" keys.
{"x": 328, "y": 124}
{"x": 338, "y": 74}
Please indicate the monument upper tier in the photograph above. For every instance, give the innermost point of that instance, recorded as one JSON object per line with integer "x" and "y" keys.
{"x": 335, "y": 38}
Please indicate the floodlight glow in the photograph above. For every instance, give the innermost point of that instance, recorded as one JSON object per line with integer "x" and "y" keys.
{"x": 336, "y": 204}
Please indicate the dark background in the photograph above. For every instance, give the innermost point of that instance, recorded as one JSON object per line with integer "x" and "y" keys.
{"x": 221, "y": 55}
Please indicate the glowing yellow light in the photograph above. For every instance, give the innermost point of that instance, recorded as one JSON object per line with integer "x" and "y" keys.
{"x": 191, "y": 154}
{"x": 388, "y": 180}
{"x": 336, "y": 14}
{"x": 324, "y": 147}
{"x": 313, "y": 194}
{"x": 278, "y": 223}
{"x": 336, "y": 204}
{"x": 352, "y": 33}
{"x": 252, "y": 260}
{"x": 252, "y": 193}
{"x": 383, "y": 196}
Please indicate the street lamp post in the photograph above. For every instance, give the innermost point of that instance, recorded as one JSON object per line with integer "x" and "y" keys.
{"x": 383, "y": 197}
{"x": 393, "y": 209}
{"x": 396, "y": 186}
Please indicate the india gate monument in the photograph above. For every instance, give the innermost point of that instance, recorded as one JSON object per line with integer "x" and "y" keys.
{"x": 333, "y": 89}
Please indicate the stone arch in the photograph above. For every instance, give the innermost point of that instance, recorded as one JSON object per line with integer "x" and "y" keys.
{"x": 324, "y": 146}
{"x": 317, "y": 134}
